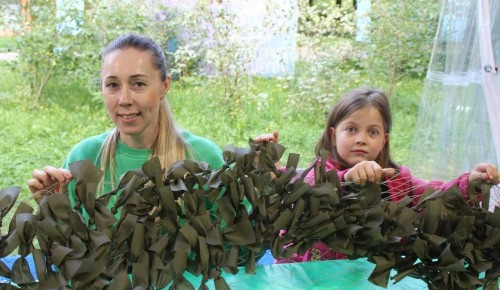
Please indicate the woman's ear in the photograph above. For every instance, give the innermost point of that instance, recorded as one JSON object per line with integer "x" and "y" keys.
{"x": 165, "y": 87}
{"x": 331, "y": 132}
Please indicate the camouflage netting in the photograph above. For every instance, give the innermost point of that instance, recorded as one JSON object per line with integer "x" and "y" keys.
{"x": 165, "y": 228}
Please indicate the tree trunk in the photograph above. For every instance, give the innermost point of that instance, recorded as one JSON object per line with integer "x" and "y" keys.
{"x": 25, "y": 11}
{"x": 43, "y": 83}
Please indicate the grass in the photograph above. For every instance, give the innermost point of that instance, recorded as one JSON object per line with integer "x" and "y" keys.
{"x": 33, "y": 138}
{"x": 7, "y": 44}
{"x": 404, "y": 109}
{"x": 267, "y": 107}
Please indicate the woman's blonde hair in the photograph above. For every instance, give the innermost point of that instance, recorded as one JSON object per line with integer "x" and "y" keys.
{"x": 169, "y": 145}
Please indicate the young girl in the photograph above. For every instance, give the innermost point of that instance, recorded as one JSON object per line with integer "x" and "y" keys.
{"x": 357, "y": 139}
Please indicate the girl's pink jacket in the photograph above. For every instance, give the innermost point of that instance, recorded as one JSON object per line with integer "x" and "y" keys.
{"x": 403, "y": 183}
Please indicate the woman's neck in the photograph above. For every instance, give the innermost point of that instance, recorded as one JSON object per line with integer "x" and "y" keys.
{"x": 138, "y": 141}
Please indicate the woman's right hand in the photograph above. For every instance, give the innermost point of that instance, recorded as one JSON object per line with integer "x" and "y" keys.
{"x": 48, "y": 181}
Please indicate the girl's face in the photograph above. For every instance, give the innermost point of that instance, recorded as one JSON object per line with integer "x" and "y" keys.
{"x": 133, "y": 90}
{"x": 360, "y": 136}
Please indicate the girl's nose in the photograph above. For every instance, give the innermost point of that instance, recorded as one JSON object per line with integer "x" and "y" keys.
{"x": 360, "y": 138}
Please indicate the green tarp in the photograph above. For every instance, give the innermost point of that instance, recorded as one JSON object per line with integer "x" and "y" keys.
{"x": 334, "y": 274}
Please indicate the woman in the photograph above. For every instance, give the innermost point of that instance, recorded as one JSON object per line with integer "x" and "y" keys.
{"x": 134, "y": 82}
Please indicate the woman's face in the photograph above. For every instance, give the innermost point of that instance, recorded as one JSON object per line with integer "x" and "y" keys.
{"x": 360, "y": 136}
{"x": 133, "y": 91}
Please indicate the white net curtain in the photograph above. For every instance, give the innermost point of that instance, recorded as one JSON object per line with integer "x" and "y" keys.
{"x": 459, "y": 117}
{"x": 458, "y": 122}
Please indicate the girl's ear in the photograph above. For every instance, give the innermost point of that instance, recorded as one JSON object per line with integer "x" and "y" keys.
{"x": 386, "y": 138}
{"x": 331, "y": 132}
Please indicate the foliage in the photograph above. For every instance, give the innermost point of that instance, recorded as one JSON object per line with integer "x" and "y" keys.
{"x": 401, "y": 39}
{"x": 211, "y": 38}
{"x": 206, "y": 38}
{"x": 215, "y": 40}
{"x": 329, "y": 58}
{"x": 326, "y": 18}
{"x": 68, "y": 41}
{"x": 400, "y": 42}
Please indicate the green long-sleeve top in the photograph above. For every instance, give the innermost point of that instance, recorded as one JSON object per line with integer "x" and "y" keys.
{"x": 127, "y": 158}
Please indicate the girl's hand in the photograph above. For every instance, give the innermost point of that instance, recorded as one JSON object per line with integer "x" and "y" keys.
{"x": 48, "y": 181}
{"x": 268, "y": 137}
{"x": 484, "y": 172}
{"x": 368, "y": 171}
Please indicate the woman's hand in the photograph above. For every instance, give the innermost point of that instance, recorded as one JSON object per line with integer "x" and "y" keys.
{"x": 484, "y": 172}
{"x": 368, "y": 171}
{"x": 48, "y": 181}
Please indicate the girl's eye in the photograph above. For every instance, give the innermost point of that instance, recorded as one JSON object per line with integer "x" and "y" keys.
{"x": 373, "y": 132}
{"x": 350, "y": 129}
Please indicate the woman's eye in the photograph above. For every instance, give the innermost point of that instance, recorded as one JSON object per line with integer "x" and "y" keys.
{"x": 139, "y": 84}
{"x": 112, "y": 85}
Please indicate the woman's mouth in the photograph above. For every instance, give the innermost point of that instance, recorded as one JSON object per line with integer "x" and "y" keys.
{"x": 128, "y": 116}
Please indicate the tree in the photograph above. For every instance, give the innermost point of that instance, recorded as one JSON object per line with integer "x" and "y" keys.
{"x": 50, "y": 45}
{"x": 401, "y": 38}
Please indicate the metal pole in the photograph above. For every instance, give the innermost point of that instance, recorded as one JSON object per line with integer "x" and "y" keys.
{"x": 490, "y": 73}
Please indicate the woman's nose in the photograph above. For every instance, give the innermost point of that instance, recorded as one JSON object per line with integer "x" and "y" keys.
{"x": 125, "y": 97}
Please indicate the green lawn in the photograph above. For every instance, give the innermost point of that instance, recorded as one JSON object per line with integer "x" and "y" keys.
{"x": 7, "y": 44}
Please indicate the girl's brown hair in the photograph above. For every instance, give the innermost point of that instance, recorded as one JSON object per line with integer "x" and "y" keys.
{"x": 351, "y": 102}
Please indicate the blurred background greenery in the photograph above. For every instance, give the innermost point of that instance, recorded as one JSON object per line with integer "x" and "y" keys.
{"x": 50, "y": 99}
